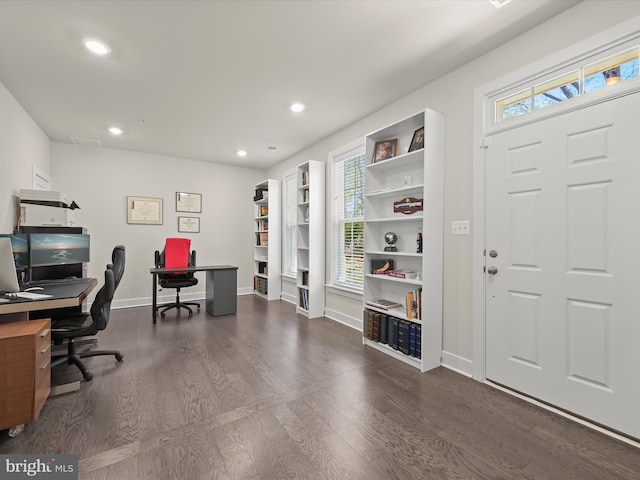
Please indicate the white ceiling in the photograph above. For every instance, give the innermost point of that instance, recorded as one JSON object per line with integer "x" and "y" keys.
{"x": 203, "y": 79}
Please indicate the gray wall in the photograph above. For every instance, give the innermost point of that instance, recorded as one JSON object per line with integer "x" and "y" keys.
{"x": 99, "y": 180}
{"x": 23, "y": 145}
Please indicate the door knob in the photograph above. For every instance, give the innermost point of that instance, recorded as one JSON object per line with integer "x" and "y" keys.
{"x": 492, "y": 270}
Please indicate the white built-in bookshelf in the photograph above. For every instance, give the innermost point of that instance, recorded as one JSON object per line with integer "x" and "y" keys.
{"x": 310, "y": 241}
{"x": 266, "y": 242}
{"x": 410, "y": 181}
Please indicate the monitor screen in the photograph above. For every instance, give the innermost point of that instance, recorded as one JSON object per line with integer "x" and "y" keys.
{"x": 58, "y": 249}
{"x": 8, "y": 275}
{"x": 20, "y": 247}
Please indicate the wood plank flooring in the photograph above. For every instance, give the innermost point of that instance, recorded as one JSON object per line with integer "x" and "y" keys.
{"x": 267, "y": 394}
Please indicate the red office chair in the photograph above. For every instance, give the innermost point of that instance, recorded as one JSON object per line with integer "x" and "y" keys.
{"x": 176, "y": 255}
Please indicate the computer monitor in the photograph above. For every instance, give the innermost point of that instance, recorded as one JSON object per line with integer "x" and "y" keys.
{"x": 20, "y": 247}
{"x": 8, "y": 275}
{"x": 47, "y": 249}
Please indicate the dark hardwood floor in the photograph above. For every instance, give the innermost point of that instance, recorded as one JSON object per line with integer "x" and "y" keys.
{"x": 266, "y": 394}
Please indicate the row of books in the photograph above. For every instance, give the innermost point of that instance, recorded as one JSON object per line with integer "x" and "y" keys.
{"x": 263, "y": 211}
{"x": 399, "y": 334}
{"x": 305, "y": 178}
{"x": 260, "y": 285}
{"x": 262, "y": 239}
{"x": 303, "y": 301}
{"x": 263, "y": 224}
{"x": 413, "y": 303}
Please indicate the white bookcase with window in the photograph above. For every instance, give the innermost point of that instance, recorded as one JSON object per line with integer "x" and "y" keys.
{"x": 409, "y": 181}
{"x": 310, "y": 241}
{"x": 266, "y": 242}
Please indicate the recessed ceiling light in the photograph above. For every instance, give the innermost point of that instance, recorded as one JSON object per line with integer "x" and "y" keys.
{"x": 115, "y": 131}
{"x": 96, "y": 46}
{"x": 297, "y": 107}
{"x": 242, "y": 153}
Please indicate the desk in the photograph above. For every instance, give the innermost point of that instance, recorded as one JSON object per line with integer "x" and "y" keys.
{"x": 221, "y": 288}
{"x": 63, "y": 294}
{"x": 25, "y": 351}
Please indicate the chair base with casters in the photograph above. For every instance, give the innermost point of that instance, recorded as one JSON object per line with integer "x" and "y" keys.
{"x": 178, "y": 305}
{"x": 73, "y": 356}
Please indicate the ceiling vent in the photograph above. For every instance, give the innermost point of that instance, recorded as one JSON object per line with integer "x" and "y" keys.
{"x": 499, "y": 3}
{"x": 85, "y": 142}
{"x": 270, "y": 148}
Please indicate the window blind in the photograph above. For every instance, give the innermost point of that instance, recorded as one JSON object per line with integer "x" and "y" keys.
{"x": 290, "y": 244}
{"x": 348, "y": 220}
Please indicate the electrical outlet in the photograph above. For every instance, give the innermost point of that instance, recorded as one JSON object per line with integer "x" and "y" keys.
{"x": 460, "y": 228}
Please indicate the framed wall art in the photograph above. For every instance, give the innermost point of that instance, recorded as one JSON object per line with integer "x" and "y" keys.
{"x": 144, "y": 211}
{"x": 188, "y": 202}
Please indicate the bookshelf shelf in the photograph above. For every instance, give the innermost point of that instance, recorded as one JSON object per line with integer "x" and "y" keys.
{"x": 418, "y": 174}
{"x": 266, "y": 249}
{"x": 310, "y": 240}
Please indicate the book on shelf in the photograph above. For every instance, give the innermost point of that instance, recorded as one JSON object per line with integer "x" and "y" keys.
{"x": 418, "y": 341}
{"x": 412, "y": 339}
{"x": 383, "y": 304}
{"x": 262, "y": 239}
{"x": 305, "y": 278}
{"x": 413, "y": 304}
{"x": 403, "y": 336}
{"x": 376, "y": 327}
{"x": 384, "y": 328}
{"x": 394, "y": 325}
{"x": 305, "y": 178}
{"x": 263, "y": 210}
{"x": 263, "y": 224}
{"x": 408, "y": 274}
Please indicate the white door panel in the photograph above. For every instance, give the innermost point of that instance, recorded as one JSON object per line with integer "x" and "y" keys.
{"x": 563, "y": 309}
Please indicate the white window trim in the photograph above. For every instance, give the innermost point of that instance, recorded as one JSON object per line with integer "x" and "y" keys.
{"x": 349, "y": 150}
{"x": 626, "y": 33}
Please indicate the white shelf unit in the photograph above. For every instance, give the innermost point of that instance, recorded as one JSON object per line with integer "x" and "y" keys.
{"x": 310, "y": 241}
{"x": 418, "y": 174}
{"x": 266, "y": 242}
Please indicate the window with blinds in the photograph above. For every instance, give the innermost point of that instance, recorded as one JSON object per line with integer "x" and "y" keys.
{"x": 290, "y": 253}
{"x": 347, "y": 243}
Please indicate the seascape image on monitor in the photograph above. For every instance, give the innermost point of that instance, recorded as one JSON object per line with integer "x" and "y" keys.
{"x": 58, "y": 249}
{"x": 20, "y": 247}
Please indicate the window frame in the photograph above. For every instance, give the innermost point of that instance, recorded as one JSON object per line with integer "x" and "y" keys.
{"x": 346, "y": 152}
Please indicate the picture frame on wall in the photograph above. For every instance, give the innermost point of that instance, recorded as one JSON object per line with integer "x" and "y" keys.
{"x": 188, "y": 202}
{"x": 189, "y": 224}
{"x": 384, "y": 150}
{"x": 144, "y": 210}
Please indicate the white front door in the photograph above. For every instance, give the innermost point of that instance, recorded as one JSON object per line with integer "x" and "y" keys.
{"x": 563, "y": 233}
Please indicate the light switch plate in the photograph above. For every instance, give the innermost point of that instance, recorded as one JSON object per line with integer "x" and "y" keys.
{"x": 461, "y": 227}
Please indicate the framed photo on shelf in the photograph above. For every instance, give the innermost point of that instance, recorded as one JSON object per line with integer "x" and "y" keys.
{"x": 384, "y": 150}
{"x": 144, "y": 211}
{"x": 188, "y": 202}
{"x": 417, "y": 141}
{"x": 189, "y": 224}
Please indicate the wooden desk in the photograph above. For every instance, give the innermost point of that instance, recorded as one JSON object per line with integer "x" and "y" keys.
{"x": 25, "y": 351}
{"x": 226, "y": 291}
{"x": 25, "y": 371}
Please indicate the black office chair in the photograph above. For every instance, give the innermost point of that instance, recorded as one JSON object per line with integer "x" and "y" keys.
{"x": 86, "y": 325}
{"x": 177, "y": 280}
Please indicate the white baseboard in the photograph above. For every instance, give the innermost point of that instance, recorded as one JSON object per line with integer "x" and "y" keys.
{"x": 355, "y": 323}
{"x": 458, "y": 364}
{"x": 288, "y": 298}
{"x": 245, "y": 291}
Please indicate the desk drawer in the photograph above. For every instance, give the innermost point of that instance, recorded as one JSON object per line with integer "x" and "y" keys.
{"x": 42, "y": 367}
